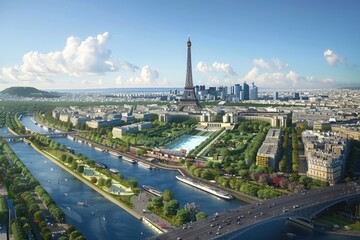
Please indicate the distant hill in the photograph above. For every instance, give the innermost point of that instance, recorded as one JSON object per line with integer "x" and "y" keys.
{"x": 28, "y": 92}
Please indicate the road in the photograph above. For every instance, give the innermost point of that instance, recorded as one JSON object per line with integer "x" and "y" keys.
{"x": 236, "y": 219}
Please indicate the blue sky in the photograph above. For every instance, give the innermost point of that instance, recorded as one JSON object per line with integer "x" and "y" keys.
{"x": 100, "y": 44}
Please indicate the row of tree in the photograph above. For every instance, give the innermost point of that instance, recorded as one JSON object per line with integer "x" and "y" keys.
{"x": 283, "y": 162}
{"x": 21, "y": 188}
{"x": 78, "y": 162}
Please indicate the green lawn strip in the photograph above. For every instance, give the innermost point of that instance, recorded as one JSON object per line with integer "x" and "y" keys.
{"x": 338, "y": 219}
{"x": 57, "y": 153}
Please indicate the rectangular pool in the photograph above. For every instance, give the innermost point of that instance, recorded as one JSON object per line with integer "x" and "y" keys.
{"x": 186, "y": 142}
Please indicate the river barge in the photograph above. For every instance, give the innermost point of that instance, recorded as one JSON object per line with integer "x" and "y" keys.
{"x": 145, "y": 165}
{"x": 217, "y": 192}
{"x": 152, "y": 190}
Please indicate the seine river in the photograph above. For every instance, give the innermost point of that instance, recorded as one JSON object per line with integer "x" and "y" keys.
{"x": 67, "y": 191}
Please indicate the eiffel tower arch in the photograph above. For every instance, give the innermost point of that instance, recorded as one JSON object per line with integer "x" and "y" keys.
{"x": 189, "y": 102}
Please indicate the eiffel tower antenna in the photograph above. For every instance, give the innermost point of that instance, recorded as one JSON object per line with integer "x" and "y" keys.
{"x": 189, "y": 102}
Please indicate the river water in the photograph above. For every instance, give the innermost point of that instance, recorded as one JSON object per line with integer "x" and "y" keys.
{"x": 67, "y": 191}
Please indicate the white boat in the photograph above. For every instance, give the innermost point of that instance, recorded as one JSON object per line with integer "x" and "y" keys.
{"x": 152, "y": 190}
{"x": 145, "y": 165}
{"x": 199, "y": 185}
{"x": 99, "y": 149}
{"x": 114, "y": 170}
{"x": 70, "y": 137}
{"x": 115, "y": 154}
{"x": 83, "y": 204}
{"x": 128, "y": 160}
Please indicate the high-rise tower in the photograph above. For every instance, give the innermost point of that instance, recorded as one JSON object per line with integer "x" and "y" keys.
{"x": 189, "y": 102}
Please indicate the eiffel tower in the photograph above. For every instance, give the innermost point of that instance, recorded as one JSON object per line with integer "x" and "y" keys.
{"x": 189, "y": 102}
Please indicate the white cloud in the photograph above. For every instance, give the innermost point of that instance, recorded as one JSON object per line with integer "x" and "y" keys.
{"x": 252, "y": 74}
{"x": 328, "y": 80}
{"x": 261, "y": 63}
{"x": 85, "y": 82}
{"x": 147, "y": 77}
{"x": 78, "y": 58}
{"x": 279, "y": 65}
{"x": 215, "y": 67}
{"x": 119, "y": 80}
{"x": 223, "y": 67}
{"x": 293, "y": 76}
{"x": 202, "y": 67}
{"x": 274, "y": 74}
{"x": 332, "y": 58}
{"x": 100, "y": 82}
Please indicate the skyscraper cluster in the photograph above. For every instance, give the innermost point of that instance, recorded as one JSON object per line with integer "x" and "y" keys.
{"x": 237, "y": 92}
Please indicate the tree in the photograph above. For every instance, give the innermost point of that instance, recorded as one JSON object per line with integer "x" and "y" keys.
{"x": 157, "y": 202}
{"x": 70, "y": 159}
{"x": 108, "y": 182}
{"x": 200, "y": 216}
{"x": 63, "y": 157}
{"x": 282, "y": 165}
{"x": 74, "y": 235}
{"x": 80, "y": 168}
{"x": 284, "y": 183}
{"x": 74, "y": 165}
{"x": 304, "y": 180}
{"x": 101, "y": 182}
{"x": 70, "y": 229}
{"x": 132, "y": 182}
{"x": 264, "y": 179}
{"x": 192, "y": 209}
{"x": 168, "y": 195}
{"x": 26, "y": 227}
{"x": 182, "y": 216}
{"x": 170, "y": 208}
{"x": 255, "y": 176}
{"x": 93, "y": 180}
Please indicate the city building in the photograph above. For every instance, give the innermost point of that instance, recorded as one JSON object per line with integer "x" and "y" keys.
{"x": 246, "y": 92}
{"x": 276, "y": 96}
{"x": 275, "y": 119}
{"x": 350, "y": 131}
{"x": 237, "y": 90}
{"x": 326, "y": 155}
{"x": 119, "y": 132}
{"x": 253, "y": 92}
{"x": 269, "y": 153}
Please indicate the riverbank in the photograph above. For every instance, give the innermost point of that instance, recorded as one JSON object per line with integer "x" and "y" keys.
{"x": 181, "y": 170}
{"x": 137, "y": 212}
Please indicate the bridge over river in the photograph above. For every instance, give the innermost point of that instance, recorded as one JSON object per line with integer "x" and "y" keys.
{"x": 234, "y": 222}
